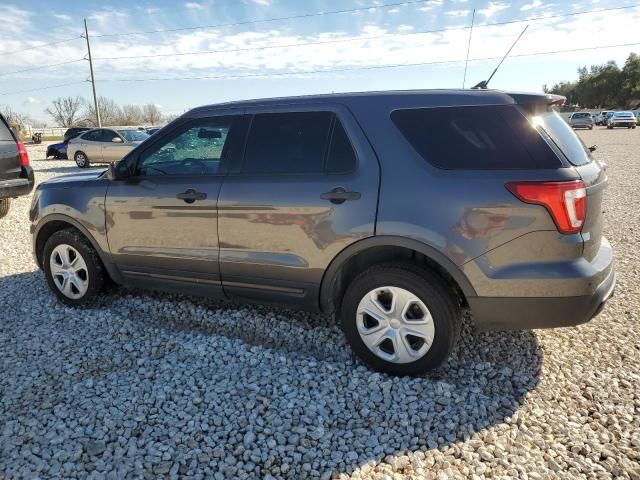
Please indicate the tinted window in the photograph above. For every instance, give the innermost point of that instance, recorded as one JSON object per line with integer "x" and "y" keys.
{"x": 287, "y": 142}
{"x": 5, "y": 133}
{"x": 581, "y": 115}
{"x": 342, "y": 158}
{"x": 106, "y": 135}
{"x": 563, "y": 136}
{"x": 197, "y": 148}
{"x": 92, "y": 136}
{"x": 478, "y": 138}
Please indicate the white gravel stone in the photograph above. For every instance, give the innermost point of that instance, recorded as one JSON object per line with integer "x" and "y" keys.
{"x": 145, "y": 384}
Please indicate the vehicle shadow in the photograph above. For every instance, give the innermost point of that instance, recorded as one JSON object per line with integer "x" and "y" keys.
{"x": 352, "y": 415}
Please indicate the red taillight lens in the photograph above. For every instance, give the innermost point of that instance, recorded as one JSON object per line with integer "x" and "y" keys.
{"x": 565, "y": 201}
{"x": 22, "y": 151}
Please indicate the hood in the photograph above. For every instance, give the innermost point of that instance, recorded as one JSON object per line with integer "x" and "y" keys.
{"x": 76, "y": 178}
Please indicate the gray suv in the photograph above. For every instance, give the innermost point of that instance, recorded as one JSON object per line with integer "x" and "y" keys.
{"x": 395, "y": 210}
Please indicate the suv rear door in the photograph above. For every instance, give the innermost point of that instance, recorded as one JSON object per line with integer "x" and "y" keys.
{"x": 9, "y": 155}
{"x": 307, "y": 188}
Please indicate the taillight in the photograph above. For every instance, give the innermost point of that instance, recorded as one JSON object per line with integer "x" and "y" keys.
{"x": 565, "y": 201}
{"x": 22, "y": 151}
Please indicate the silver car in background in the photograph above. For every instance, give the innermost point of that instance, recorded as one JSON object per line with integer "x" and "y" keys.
{"x": 622, "y": 119}
{"x": 581, "y": 120}
{"x": 103, "y": 145}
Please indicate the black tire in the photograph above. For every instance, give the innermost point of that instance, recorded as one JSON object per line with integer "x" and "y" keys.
{"x": 4, "y": 206}
{"x": 95, "y": 270}
{"x": 81, "y": 159}
{"x": 438, "y": 297}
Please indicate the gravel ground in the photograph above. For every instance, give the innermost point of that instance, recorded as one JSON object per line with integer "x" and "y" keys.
{"x": 151, "y": 385}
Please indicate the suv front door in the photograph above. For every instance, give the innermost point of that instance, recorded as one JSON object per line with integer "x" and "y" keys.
{"x": 305, "y": 190}
{"x": 162, "y": 221}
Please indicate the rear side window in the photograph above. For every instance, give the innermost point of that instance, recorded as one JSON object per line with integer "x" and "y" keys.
{"x": 475, "y": 138}
{"x": 287, "y": 143}
{"x": 563, "y": 137}
{"x": 5, "y": 133}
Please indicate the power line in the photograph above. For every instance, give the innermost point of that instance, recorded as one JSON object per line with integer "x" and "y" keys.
{"x": 366, "y": 67}
{"x": 356, "y": 39}
{"x": 42, "y": 67}
{"x": 42, "y": 88}
{"x": 41, "y": 46}
{"x": 266, "y": 20}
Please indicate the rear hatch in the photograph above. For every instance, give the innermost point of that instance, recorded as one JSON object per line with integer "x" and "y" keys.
{"x": 9, "y": 154}
{"x": 572, "y": 149}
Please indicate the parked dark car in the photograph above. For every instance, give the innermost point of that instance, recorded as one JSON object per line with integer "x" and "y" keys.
{"x": 73, "y": 132}
{"x": 16, "y": 176}
{"x": 395, "y": 210}
{"x": 57, "y": 150}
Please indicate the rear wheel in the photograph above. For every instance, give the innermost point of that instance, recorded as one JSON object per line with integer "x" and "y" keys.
{"x": 81, "y": 159}
{"x": 400, "y": 319}
{"x": 72, "y": 267}
{"x": 4, "y": 206}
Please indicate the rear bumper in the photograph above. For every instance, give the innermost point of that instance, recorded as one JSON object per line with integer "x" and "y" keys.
{"x": 630, "y": 123}
{"x": 16, "y": 187}
{"x": 510, "y": 313}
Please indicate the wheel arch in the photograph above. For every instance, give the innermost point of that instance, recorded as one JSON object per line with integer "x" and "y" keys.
{"x": 55, "y": 222}
{"x": 380, "y": 249}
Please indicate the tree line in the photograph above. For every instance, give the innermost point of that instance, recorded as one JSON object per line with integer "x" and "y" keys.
{"x": 79, "y": 112}
{"x": 603, "y": 86}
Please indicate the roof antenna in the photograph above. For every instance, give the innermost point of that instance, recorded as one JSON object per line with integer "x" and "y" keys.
{"x": 483, "y": 84}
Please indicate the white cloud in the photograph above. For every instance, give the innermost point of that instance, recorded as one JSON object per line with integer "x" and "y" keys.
{"x": 30, "y": 101}
{"x": 405, "y": 28}
{"x": 194, "y": 6}
{"x": 458, "y": 13}
{"x": 394, "y": 10}
{"x": 14, "y": 19}
{"x": 492, "y": 7}
{"x": 532, "y": 5}
{"x": 262, "y": 3}
{"x": 61, "y": 16}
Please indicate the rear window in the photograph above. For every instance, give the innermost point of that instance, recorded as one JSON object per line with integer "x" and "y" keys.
{"x": 581, "y": 115}
{"x": 476, "y": 138}
{"x": 563, "y": 137}
{"x": 5, "y": 133}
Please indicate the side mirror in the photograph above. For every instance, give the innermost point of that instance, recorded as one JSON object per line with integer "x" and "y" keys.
{"x": 117, "y": 171}
{"x": 116, "y": 140}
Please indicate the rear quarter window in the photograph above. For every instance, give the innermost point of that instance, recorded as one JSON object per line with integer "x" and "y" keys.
{"x": 475, "y": 138}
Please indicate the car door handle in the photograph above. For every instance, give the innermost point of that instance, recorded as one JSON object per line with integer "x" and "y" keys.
{"x": 339, "y": 195}
{"x": 190, "y": 195}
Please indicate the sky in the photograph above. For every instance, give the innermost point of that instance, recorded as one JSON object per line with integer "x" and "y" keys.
{"x": 208, "y": 51}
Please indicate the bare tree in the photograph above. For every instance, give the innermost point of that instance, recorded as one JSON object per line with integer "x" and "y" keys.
{"x": 130, "y": 115}
{"x": 151, "y": 114}
{"x": 15, "y": 119}
{"x": 65, "y": 111}
{"x": 109, "y": 112}
{"x": 170, "y": 117}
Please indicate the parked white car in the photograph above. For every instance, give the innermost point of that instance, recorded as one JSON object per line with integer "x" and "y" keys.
{"x": 622, "y": 119}
{"x": 103, "y": 145}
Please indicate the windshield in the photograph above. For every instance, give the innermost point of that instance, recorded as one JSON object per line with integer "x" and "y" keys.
{"x": 133, "y": 135}
{"x": 563, "y": 136}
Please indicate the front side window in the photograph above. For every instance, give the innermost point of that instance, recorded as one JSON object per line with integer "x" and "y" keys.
{"x": 287, "y": 143}
{"x": 106, "y": 136}
{"x": 197, "y": 148}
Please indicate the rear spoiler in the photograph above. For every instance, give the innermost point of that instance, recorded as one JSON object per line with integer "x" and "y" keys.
{"x": 538, "y": 103}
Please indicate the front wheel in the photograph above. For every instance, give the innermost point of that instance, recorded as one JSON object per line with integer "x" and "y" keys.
{"x": 72, "y": 267}
{"x": 81, "y": 159}
{"x": 400, "y": 319}
{"x": 4, "y": 206}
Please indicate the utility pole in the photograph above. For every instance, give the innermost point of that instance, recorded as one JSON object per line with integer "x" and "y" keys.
{"x": 466, "y": 62}
{"x": 93, "y": 80}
